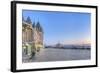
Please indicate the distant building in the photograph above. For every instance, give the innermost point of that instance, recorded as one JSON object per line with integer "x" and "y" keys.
{"x": 59, "y": 45}
{"x": 32, "y": 36}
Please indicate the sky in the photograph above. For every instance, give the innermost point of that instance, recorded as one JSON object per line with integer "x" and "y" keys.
{"x": 62, "y": 27}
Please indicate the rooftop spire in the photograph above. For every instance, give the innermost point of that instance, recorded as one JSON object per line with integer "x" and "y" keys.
{"x": 33, "y": 25}
{"x": 28, "y": 20}
{"x": 23, "y": 18}
{"x": 38, "y": 27}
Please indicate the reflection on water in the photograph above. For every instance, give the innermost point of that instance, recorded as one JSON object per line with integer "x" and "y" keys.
{"x": 51, "y": 54}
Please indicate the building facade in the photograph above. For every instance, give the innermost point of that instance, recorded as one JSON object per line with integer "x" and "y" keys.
{"x": 32, "y": 37}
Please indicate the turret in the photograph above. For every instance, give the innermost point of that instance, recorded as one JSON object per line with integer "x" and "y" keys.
{"x": 28, "y": 20}
{"x": 33, "y": 25}
{"x": 38, "y": 27}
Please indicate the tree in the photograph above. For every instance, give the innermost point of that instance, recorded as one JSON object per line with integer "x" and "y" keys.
{"x": 24, "y": 27}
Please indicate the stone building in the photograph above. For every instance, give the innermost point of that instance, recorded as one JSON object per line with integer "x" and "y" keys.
{"x": 32, "y": 37}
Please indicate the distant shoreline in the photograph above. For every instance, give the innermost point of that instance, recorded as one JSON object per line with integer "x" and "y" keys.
{"x": 67, "y": 48}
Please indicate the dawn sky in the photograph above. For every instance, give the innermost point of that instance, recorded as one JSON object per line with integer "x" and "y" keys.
{"x": 62, "y": 27}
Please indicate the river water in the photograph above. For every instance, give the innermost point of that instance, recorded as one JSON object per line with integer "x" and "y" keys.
{"x": 51, "y": 54}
